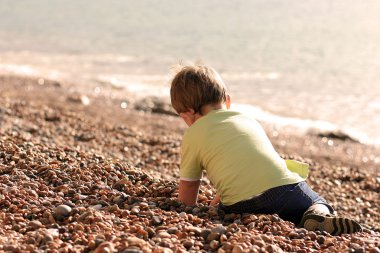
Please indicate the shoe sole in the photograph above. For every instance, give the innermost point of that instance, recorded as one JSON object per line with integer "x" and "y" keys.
{"x": 332, "y": 225}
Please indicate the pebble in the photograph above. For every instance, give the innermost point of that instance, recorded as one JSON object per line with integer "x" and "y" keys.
{"x": 356, "y": 248}
{"x": 35, "y": 224}
{"x": 213, "y": 236}
{"x": 237, "y": 249}
{"x": 135, "y": 210}
{"x": 195, "y": 230}
{"x": 132, "y": 250}
{"x": 219, "y": 230}
{"x": 172, "y": 230}
{"x": 329, "y": 242}
{"x": 188, "y": 244}
{"x": 374, "y": 250}
{"x": 163, "y": 234}
{"x": 105, "y": 247}
{"x": 205, "y": 233}
{"x": 97, "y": 207}
{"x": 156, "y": 220}
{"x": 214, "y": 244}
{"x": 62, "y": 210}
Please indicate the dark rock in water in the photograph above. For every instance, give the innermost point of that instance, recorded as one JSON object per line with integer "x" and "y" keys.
{"x": 155, "y": 105}
{"x": 338, "y": 134}
{"x": 78, "y": 98}
{"x": 52, "y": 116}
{"x": 84, "y": 137}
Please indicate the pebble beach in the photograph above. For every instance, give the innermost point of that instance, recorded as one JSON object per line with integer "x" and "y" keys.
{"x": 85, "y": 171}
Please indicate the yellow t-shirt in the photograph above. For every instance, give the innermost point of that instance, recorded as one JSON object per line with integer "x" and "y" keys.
{"x": 238, "y": 157}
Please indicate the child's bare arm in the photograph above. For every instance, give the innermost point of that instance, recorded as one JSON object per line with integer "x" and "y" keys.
{"x": 188, "y": 192}
{"x": 215, "y": 201}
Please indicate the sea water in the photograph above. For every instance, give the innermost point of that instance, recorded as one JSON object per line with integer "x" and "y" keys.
{"x": 304, "y": 63}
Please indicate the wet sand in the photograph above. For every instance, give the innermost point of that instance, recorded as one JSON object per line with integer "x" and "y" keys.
{"x": 80, "y": 173}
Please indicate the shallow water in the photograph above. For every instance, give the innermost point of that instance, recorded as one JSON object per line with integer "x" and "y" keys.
{"x": 309, "y": 60}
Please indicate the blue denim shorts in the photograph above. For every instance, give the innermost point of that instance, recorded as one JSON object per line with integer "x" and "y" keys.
{"x": 288, "y": 201}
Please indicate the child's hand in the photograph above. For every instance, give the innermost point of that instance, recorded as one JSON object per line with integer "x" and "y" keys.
{"x": 215, "y": 201}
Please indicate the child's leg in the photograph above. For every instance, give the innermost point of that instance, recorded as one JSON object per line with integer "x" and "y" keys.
{"x": 319, "y": 217}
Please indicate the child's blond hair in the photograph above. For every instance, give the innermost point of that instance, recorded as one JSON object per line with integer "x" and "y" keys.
{"x": 195, "y": 86}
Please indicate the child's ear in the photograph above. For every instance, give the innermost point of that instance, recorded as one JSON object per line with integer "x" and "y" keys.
{"x": 228, "y": 101}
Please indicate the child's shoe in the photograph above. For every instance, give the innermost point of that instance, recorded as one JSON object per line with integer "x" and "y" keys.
{"x": 333, "y": 225}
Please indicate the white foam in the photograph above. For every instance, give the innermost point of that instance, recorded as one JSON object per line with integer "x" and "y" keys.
{"x": 303, "y": 125}
{"x": 17, "y": 69}
{"x": 140, "y": 85}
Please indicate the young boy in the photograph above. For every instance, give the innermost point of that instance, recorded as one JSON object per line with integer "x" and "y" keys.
{"x": 240, "y": 161}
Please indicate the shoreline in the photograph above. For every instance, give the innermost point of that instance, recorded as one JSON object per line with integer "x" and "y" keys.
{"x": 55, "y": 116}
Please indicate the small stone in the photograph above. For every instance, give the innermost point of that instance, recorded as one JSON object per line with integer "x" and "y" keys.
{"x": 188, "y": 244}
{"x": 156, "y": 220}
{"x": 213, "y": 236}
{"x": 259, "y": 243}
{"x": 52, "y": 116}
{"x": 47, "y": 238}
{"x": 151, "y": 232}
{"x": 219, "y": 229}
{"x": 214, "y": 244}
{"x": 221, "y": 250}
{"x": 196, "y": 210}
{"x": 237, "y": 249}
{"x": 329, "y": 242}
{"x": 96, "y": 207}
{"x": 266, "y": 238}
{"x": 374, "y": 250}
{"x": 273, "y": 248}
{"x": 320, "y": 239}
{"x": 312, "y": 235}
{"x": 172, "y": 230}
{"x": 35, "y": 224}
{"x": 132, "y": 250}
{"x": 53, "y": 232}
{"x": 31, "y": 240}
{"x": 356, "y": 248}
{"x": 275, "y": 218}
{"x": 195, "y": 230}
{"x": 85, "y": 137}
{"x": 135, "y": 210}
{"x": 105, "y": 247}
{"x": 62, "y": 210}
{"x": 182, "y": 214}
{"x": 223, "y": 238}
{"x": 212, "y": 211}
{"x": 122, "y": 182}
{"x": 134, "y": 241}
{"x": 163, "y": 234}
{"x": 79, "y": 98}
{"x": 205, "y": 233}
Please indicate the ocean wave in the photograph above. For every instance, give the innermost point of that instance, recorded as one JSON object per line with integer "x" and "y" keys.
{"x": 317, "y": 127}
